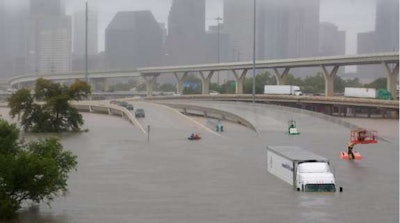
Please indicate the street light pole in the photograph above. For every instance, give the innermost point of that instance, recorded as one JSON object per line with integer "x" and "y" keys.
{"x": 218, "y": 41}
{"x": 254, "y": 53}
{"x": 86, "y": 44}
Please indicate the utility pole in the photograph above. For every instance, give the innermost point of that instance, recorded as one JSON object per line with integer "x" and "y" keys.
{"x": 219, "y": 19}
{"x": 254, "y": 53}
{"x": 86, "y": 44}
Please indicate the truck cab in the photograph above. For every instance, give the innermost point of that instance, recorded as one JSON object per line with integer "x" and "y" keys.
{"x": 315, "y": 177}
{"x": 296, "y": 91}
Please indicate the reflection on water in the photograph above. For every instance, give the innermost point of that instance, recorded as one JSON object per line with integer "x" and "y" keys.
{"x": 33, "y": 213}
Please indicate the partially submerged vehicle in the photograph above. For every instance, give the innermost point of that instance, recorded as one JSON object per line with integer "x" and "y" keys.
{"x": 302, "y": 169}
{"x": 292, "y": 129}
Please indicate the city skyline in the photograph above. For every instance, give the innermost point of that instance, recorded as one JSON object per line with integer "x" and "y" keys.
{"x": 287, "y": 31}
{"x": 351, "y": 16}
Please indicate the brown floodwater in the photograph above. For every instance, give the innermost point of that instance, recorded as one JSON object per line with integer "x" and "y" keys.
{"x": 125, "y": 176}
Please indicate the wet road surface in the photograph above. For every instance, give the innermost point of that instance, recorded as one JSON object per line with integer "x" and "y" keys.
{"x": 122, "y": 177}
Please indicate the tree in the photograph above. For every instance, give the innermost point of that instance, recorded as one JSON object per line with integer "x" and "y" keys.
{"x": 167, "y": 88}
{"x": 55, "y": 114}
{"x": 314, "y": 84}
{"x": 378, "y": 83}
{"x": 261, "y": 79}
{"x": 192, "y": 85}
{"x": 37, "y": 171}
{"x": 355, "y": 82}
{"x": 292, "y": 80}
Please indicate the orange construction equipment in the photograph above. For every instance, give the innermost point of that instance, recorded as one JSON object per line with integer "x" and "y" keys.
{"x": 363, "y": 136}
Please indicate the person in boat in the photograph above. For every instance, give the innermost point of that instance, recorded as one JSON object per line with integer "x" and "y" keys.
{"x": 350, "y": 151}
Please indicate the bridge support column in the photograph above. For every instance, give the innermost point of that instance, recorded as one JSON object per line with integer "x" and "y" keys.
{"x": 392, "y": 74}
{"x": 150, "y": 79}
{"x": 281, "y": 77}
{"x": 179, "y": 85}
{"x": 329, "y": 79}
{"x": 205, "y": 81}
{"x": 239, "y": 80}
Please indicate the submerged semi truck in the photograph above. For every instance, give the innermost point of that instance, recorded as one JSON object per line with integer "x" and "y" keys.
{"x": 304, "y": 170}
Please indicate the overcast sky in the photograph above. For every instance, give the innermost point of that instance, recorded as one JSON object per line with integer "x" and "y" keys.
{"x": 353, "y": 16}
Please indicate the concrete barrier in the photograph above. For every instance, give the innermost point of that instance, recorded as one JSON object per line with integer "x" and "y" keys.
{"x": 105, "y": 107}
{"x": 211, "y": 113}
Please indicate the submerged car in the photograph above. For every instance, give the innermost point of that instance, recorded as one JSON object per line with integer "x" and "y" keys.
{"x": 125, "y": 105}
{"x": 139, "y": 113}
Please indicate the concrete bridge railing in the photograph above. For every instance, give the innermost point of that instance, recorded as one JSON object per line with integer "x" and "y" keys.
{"x": 207, "y": 112}
{"x": 107, "y": 108}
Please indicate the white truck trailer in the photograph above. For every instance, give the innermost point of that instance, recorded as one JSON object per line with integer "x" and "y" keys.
{"x": 282, "y": 89}
{"x": 358, "y": 92}
{"x": 304, "y": 170}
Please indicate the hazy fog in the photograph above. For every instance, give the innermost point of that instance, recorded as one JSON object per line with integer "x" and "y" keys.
{"x": 20, "y": 52}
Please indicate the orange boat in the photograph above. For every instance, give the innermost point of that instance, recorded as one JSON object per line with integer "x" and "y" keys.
{"x": 345, "y": 156}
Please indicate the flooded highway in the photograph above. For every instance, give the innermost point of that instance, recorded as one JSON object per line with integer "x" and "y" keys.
{"x": 125, "y": 176}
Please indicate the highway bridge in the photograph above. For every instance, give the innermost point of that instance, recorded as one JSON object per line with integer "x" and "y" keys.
{"x": 338, "y": 106}
{"x": 329, "y": 67}
{"x": 335, "y": 106}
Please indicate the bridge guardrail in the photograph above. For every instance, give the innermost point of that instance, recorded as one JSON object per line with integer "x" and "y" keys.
{"x": 107, "y": 108}
{"x": 213, "y": 113}
{"x": 363, "y": 102}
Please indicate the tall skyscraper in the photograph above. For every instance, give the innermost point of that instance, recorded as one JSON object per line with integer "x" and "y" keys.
{"x": 2, "y": 35}
{"x": 285, "y": 28}
{"x": 186, "y": 32}
{"x": 303, "y": 33}
{"x": 385, "y": 38}
{"x": 14, "y": 38}
{"x": 331, "y": 40}
{"x": 46, "y": 7}
{"x": 387, "y": 25}
{"x": 133, "y": 39}
{"x": 238, "y": 24}
{"x": 79, "y": 33}
{"x": 49, "y": 47}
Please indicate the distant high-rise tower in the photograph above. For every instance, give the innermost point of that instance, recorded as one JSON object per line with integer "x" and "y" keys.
{"x": 133, "y": 40}
{"x": 46, "y": 8}
{"x": 331, "y": 40}
{"x": 387, "y": 25}
{"x": 238, "y": 24}
{"x": 385, "y": 38}
{"x": 14, "y": 37}
{"x": 303, "y": 33}
{"x": 186, "y": 32}
{"x": 79, "y": 33}
{"x": 49, "y": 46}
{"x": 2, "y": 34}
{"x": 285, "y": 28}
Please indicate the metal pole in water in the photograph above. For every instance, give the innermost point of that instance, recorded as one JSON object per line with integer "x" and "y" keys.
{"x": 148, "y": 133}
{"x": 254, "y": 53}
{"x": 86, "y": 44}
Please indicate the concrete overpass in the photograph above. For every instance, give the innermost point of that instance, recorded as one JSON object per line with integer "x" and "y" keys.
{"x": 329, "y": 67}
